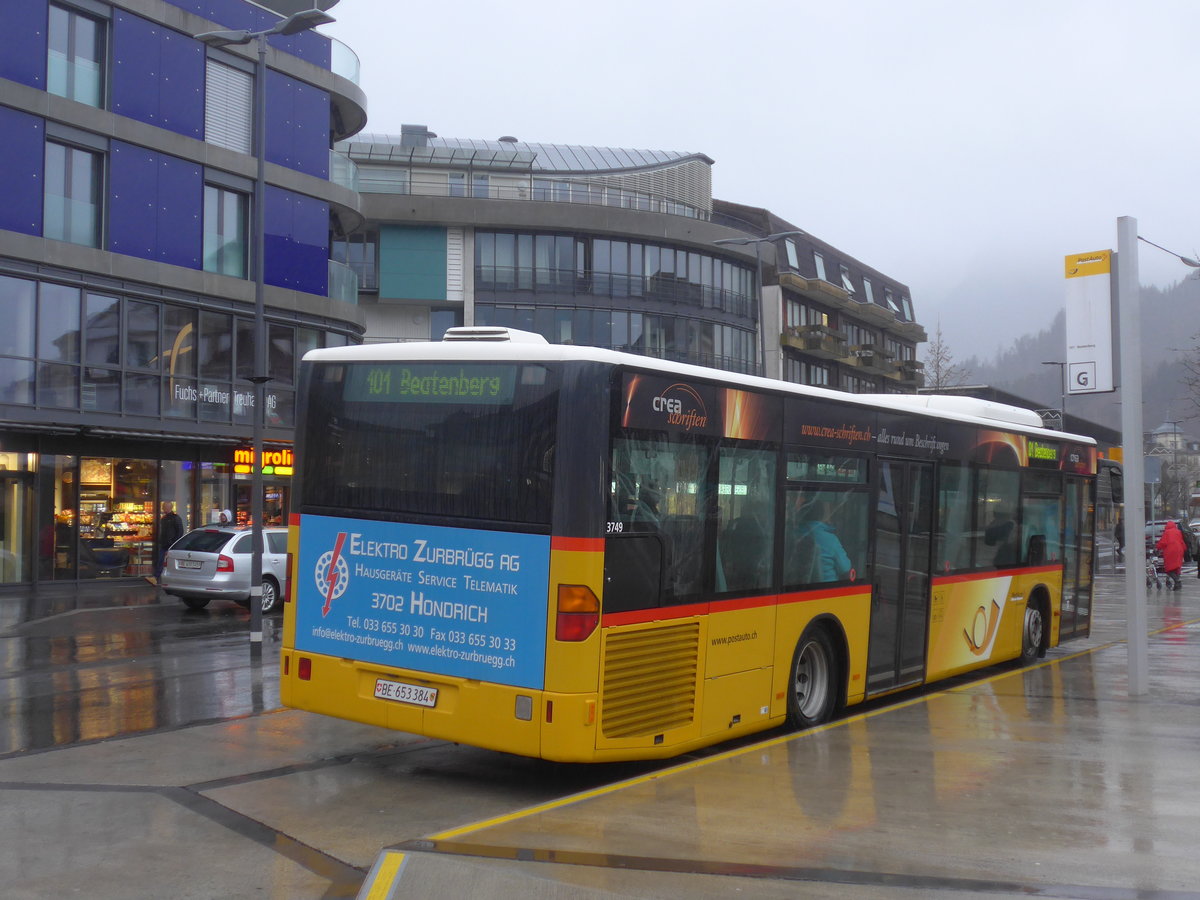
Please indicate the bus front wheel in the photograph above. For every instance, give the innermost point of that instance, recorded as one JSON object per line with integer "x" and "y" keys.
{"x": 812, "y": 682}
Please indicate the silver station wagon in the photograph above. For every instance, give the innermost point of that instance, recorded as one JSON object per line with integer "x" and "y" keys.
{"x": 214, "y": 563}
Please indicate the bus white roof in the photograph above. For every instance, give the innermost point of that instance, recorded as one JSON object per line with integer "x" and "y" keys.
{"x": 495, "y": 343}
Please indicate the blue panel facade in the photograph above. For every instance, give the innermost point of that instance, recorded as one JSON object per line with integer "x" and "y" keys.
{"x": 297, "y": 242}
{"x": 236, "y": 14}
{"x": 180, "y": 212}
{"x": 311, "y": 118}
{"x": 157, "y": 75}
{"x": 155, "y": 206}
{"x": 22, "y": 159}
{"x": 297, "y": 125}
{"x": 23, "y": 57}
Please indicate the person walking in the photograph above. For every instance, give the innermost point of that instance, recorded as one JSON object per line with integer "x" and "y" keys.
{"x": 170, "y": 529}
{"x": 1119, "y": 536}
{"x": 1171, "y": 546}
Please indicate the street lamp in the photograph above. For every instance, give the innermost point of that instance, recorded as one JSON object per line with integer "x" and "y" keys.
{"x": 758, "y": 285}
{"x": 1130, "y": 348}
{"x": 293, "y": 24}
{"x": 1062, "y": 374}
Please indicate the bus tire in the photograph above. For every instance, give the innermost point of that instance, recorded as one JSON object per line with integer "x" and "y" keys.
{"x": 812, "y": 680}
{"x": 1033, "y": 633}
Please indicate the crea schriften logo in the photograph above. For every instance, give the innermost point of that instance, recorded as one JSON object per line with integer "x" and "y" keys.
{"x": 332, "y": 574}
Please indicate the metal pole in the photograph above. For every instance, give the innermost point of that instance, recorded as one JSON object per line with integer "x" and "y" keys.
{"x": 762, "y": 310}
{"x": 259, "y": 376}
{"x": 1062, "y": 374}
{"x": 1128, "y": 302}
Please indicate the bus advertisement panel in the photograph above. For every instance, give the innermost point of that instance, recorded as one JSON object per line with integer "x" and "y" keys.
{"x": 450, "y": 601}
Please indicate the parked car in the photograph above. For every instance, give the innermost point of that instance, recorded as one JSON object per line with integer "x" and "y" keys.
{"x": 214, "y": 562}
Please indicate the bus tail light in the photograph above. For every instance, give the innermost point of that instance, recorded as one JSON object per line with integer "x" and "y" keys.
{"x": 304, "y": 669}
{"x": 578, "y": 613}
{"x": 224, "y": 563}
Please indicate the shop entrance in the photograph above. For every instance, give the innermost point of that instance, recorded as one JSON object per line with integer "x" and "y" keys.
{"x": 16, "y": 518}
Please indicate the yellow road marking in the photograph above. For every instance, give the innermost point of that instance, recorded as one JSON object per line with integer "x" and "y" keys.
{"x": 383, "y": 877}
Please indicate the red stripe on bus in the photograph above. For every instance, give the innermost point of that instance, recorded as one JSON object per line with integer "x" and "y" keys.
{"x": 995, "y": 573}
{"x": 294, "y": 519}
{"x": 577, "y": 544}
{"x": 660, "y": 614}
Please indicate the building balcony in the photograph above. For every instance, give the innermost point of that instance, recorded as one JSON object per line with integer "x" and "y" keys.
{"x": 911, "y": 372}
{"x": 870, "y": 359}
{"x": 820, "y": 341}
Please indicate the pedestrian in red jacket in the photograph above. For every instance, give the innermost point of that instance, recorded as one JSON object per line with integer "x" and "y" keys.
{"x": 1171, "y": 546}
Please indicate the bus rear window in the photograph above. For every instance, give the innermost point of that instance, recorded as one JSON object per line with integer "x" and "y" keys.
{"x": 471, "y": 441}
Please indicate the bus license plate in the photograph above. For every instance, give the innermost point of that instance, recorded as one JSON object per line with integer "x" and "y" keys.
{"x": 405, "y": 693}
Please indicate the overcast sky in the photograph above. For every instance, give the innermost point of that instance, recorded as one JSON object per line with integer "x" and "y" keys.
{"x": 963, "y": 148}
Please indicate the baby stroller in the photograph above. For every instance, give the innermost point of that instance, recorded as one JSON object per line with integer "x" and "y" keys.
{"x": 1156, "y": 575}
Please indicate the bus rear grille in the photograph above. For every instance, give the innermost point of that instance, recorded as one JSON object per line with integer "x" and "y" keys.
{"x": 649, "y": 680}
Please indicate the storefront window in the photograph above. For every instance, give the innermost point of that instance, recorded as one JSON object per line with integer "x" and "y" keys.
{"x": 141, "y": 336}
{"x": 17, "y": 299}
{"x": 58, "y": 323}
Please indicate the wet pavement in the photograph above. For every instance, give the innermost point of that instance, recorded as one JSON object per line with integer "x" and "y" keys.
{"x": 1047, "y": 781}
{"x": 105, "y": 660}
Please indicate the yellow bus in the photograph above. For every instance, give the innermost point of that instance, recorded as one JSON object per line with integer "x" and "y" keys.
{"x": 583, "y": 555}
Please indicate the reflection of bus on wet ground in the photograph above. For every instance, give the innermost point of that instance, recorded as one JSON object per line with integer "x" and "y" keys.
{"x": 572, "y": 553}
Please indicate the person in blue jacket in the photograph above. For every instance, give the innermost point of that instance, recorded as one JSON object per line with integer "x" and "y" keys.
{"x": 820, "y": 549}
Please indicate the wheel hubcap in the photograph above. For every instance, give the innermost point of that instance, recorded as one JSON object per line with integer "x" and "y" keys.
{"x": 811, "y": 682}
{"x": 1033, "y": 629}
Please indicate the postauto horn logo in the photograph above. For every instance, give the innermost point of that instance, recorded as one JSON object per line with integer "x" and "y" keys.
{"x": 683, "y": 407}
{"x": 332, "y": 573}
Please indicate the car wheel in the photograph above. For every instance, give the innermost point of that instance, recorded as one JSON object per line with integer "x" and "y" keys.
{"x": 194, "y": 603}
{"x": 270, "y": 595}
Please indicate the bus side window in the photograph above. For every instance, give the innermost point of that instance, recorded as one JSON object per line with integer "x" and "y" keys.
{"x": 953, "y": 551}
{"x": 997, "y": 542}
{"x": 746, "y": 525}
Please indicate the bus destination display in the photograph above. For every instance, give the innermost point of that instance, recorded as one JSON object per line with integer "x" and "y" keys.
{"x": 452, "y": 601}
{"x": 441, "y": 383}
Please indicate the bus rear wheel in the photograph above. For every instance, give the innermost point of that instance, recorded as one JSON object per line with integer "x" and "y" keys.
{"x": 1032, "y": 634}
{"x": 812, "y": 680}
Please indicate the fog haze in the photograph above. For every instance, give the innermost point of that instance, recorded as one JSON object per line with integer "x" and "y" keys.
{"x": 963, "y": 149}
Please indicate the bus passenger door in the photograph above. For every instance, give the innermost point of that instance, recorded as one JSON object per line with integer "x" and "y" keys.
{"x": 901, "y": 574}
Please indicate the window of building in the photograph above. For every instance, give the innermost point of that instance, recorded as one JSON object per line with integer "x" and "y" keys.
{"x": 908, "y": 312}
{"x": 868, "y": 290}
{"x": 360, "y": 252}
{"x": 890, "y": 299}
{"x": 857, "y": 384}
{"x": 792, "y": 257}
{"x": 479, "y": 185}
{"x": 819, "y": 261}
{"x": 456, "y": 184}
{"x": 846, "y": 282}
{"x": 75, "y": 60}
{"x": 73, "y": 194}
{"x": 858, "y": 335}
{"x": 225, "y": 231}
{"x": 228, "y": 107}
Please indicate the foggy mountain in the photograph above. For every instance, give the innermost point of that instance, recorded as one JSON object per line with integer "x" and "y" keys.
{"x": 1170, "y": 328}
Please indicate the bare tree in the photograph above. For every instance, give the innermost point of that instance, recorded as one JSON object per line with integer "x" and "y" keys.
{"x": 941, "y": 371}
{"x": 1191, "y": 372}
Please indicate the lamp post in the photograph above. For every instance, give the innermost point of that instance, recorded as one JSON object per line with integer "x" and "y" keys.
{"x": 1062, "y": 376}
{"x": 293, "y": 24}
{"x": 758, "y": 285}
